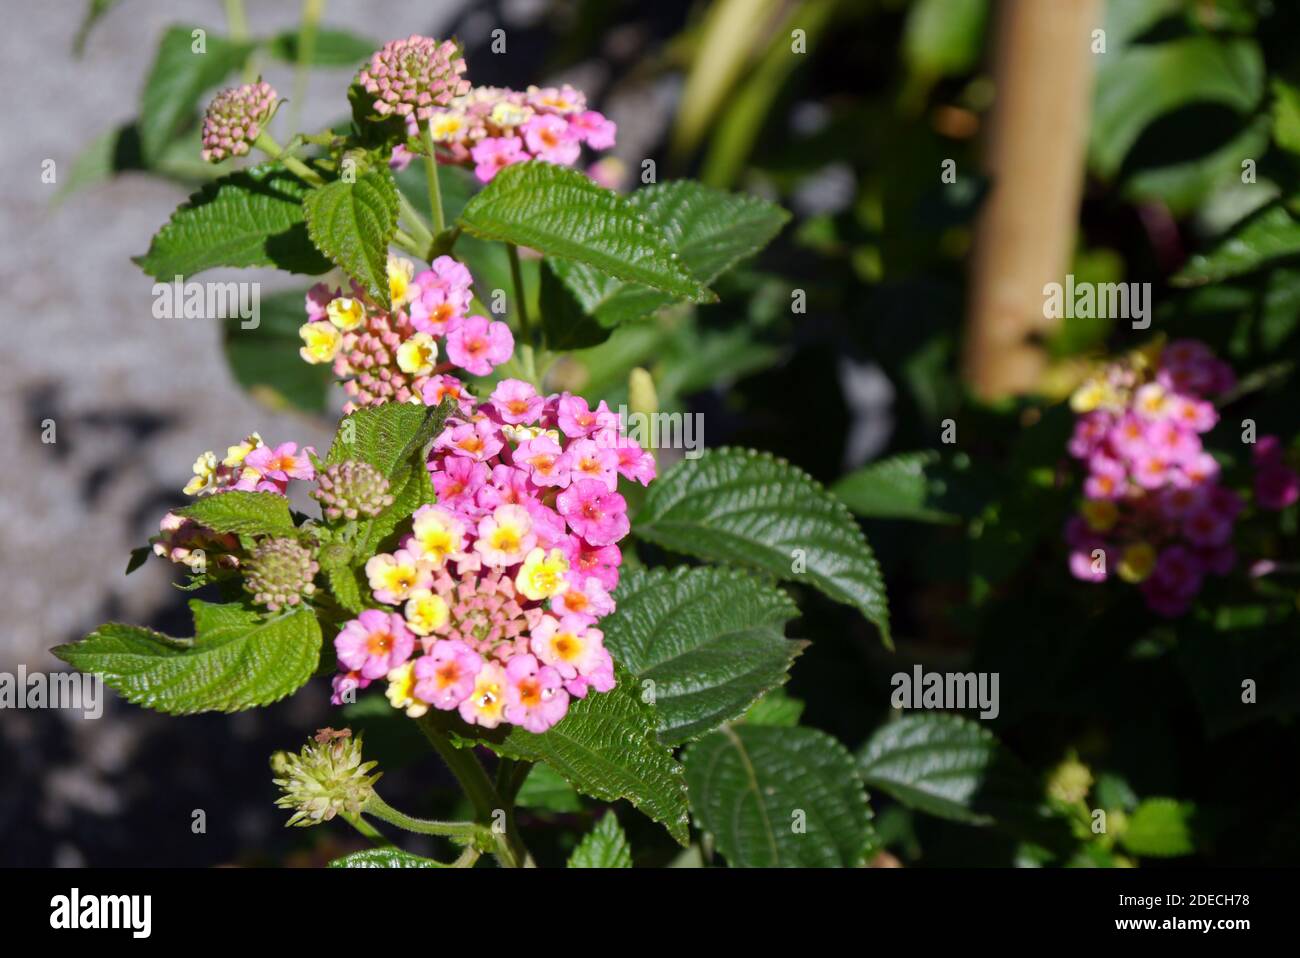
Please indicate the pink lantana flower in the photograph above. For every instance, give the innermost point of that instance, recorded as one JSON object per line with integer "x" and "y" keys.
{"x": 570, "y": 644}
{"x": 477, "y": 345}
{"x": 493, "y": 154}
{"x": 544, "y": 459}
{"x": 535, "y": 696}
{"x": 517, "y": 402}
{"x": 549, "y": 138}
{"x": 446, "y": 672}
{"x": 587, "y": 460}
{"x": 374, "y": 643}
{"x": 593, "y": 512}
{"x": 594, "y": 129}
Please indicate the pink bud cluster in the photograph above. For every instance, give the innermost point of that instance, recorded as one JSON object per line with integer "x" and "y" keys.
{"x": 502, "y": 583}
{"x": 410, "y": 78}
{"x": 234, "y": 119}
{"x": 392, "y": 355}
{"x": 490, "y": 128}
{"x": 1153, "y": 510}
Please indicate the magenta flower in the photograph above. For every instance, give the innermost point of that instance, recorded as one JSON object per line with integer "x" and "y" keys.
{"x": 459, "y": 481}
{"x": 1276, "y": 487}
{"x": 535, "y": 697}
{"x": 517, "y": 402}
{"x": 593, "y": 512}
{"x": 598, "y": 562}
{"x": 494, "y": 154}
{"x": 594, "y": 129}
{"x": 549, "y": 138}
{"x": 374, "y": 643}
{"x": 279, "y": 464}
{"x": 634, "y": 462}
{"x": 476, "y": 345}
{"x": 479, "y": 440}
{"x": 446, "y": 672}
{"x": 589, "y": 460}
{"x": 545, "y": 460}
{"x": 1106, "y": 479}
{"x": 570, "y": 645}
{"x": 575, "y": 417}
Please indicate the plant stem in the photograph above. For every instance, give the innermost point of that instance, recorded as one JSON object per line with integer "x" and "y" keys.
{"x": 431, "y": 174}
{"x": 517, "y": 277}
{"x": 311, "y": 15}
{"x": 267, "y": 145}
{"x": 365, "y": 828}
{"x": 237, "y": 25}
{"x": 415, "y": 225}
{"x": 466, "y": 831}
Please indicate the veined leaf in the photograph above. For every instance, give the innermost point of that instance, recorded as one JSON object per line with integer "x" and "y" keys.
{"x": 753, "y": 509}
{"x": 777, "y": 707}
{"x": 604, "y": 747}
{"x": 605, "y": 846}
{"x": 710, "y": 230}
{"x": 179, "y": 76}
{"x": 894, "y": 488}
{"x": 1159, "y": 828}
{"x": 546, "y": 789}
{"x": 779, "y": 797}
{"x": 384, "y": 858}
{"x": 712, "y": 640}
{"x": 236, "y": 659}
{"x": 1268, "y": 235}
{"x": 250, "y": 218}
{"x": 247, "y": 513}
{"x": 388, "y": 435}
{"x": 353, "y": 223}
{"x": 948, "y": 766}
{"x": 561, "y": 212}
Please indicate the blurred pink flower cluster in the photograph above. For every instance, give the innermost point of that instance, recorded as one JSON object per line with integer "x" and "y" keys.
{"x": 385, "y": 355}
{"x": 1153, "y": 512}
{"x": 502, "y": 583}
{"x": 490, "y": 128}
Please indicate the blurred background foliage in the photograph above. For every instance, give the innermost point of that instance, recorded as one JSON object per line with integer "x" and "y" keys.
{"x": 844, "y": 111}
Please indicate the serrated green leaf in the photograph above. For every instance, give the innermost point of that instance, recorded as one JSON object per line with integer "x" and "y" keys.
{"x": 777, "y": 707}
{"x": 1263, "y": 237}
{"x": 236, "y": 660}
{"x": 565, "y": 323}
{"x": 353, "y": 223}
{"x": 710, "y": 230}
{"x": 344, "y": 583}
{"x": 561, "y": 212}
{"x": 177, "y": 79}
{"x": 895, "y": 488}
{"x": 388, "y": 435}
{"x": 948, "y": 766}
{"x": 330, "y": 48}
{"x": 546, "y": 789}
{"x": 265, "y": 359}
{"x": 250, "y": 218}
{"x": 779, "y": 797}
{"x": 384, "y": 858}
{"x": 712, "y": 640}
{"x": 605, "y": 846}
{"x": 1160, "y": 828}
{"x": 248, "y": 513}
{"x": 753, "y": 509}
{"x": 604, "y": 747}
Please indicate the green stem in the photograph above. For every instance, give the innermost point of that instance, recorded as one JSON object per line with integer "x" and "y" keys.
{"x": 267, "y": 145}
{"x": 431, "y": 174}
{"x": 311, "y": 15}
{"x": 467, "y": 858}
{"x": 464, "y": 831}
{"x": 365, "y": 828}
{"x": 415, "y": 225}
{"x": 406, "y": 242}
{"x": 521, "y": 309}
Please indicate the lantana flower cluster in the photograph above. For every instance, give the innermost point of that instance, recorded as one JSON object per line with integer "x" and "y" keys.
{"x": 403, "y": 354}
{"x": 491, "y": 604}
{"x": 1154, "y": 510}
{"x": 251, "y": 466}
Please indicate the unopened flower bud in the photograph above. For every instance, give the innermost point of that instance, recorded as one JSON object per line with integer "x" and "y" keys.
{"x": 325, "y": 779}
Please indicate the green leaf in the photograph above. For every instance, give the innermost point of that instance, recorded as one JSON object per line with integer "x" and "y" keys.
{"x": 1140, "y": 83}
{"x": 177, "y": 79}
{"x": 944, "y": 37}
{"x": 777, "y": 707}
{"x": 344, "y": 583}
{"x": 250, "y": 218}
{"x": 1286, "y": 116}
{"x": 604, "y": 747}
{"x": 561, "y": 212}
{"x": 1265, "y": 236}
{"x": 712, "y": 640}
{"x": 236, "y": 660}
{"x": 1159, "y": 828}
{"x": 753, "y": 786}
{"x": 565, "y": 323}
{"x": 353, "y": 223}
{"x": 247, "y": 513}
{"x": 389, "y": 435}
{"x": 710, "y": 231}
{"x": 331, "y": 48}
{"x": 753, "y": 509}
{"x": 384, "y": 858}
{"x": 895, "y": 488}
{"x": 948, "y": 766}
{"x": 546, "y": 789}
{"x": 264, "y": 359}
{"x": 605, "y": 846}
